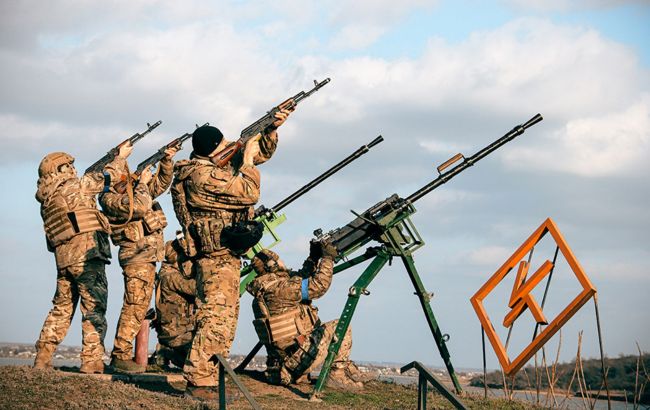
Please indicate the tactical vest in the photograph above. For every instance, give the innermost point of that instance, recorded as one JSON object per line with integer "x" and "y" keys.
{"x": 284, "y": 329}
{"x": 154, "y": 220}
{"x": 61, "y": 223}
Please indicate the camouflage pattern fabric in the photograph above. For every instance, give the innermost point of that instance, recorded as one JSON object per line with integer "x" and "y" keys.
{"x": 80, "y": 262}
{"x": 280, "y": 292}
{"x": 86, "y": 282}
{"x": 138, "y": 287}
{"x": 218, "y": 309}
{"x": 138, "y": 254}
{"x": 175, "y": 304}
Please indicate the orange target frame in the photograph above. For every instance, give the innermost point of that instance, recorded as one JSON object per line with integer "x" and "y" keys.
{"x": 521, "y": 298}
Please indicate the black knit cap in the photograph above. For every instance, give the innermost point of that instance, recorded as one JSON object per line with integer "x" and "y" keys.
{"x": 205, "y": 139}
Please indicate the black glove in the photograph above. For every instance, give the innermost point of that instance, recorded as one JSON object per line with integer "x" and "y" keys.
{"x": 328, "y": 250}
{"x": 315, "y": 251}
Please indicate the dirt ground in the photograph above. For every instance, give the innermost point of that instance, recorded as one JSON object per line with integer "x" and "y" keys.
{"x": 24, "y": 388}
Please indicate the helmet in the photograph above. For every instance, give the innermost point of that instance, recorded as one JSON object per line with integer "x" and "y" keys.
{"x": 265, "y": 261}
{"x": 206, "y": 139}
{"x": 241, "y": 236}
{"x": 51, "y": 163}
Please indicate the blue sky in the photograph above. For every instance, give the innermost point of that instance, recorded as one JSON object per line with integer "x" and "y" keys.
{"x": 433, "y": 77}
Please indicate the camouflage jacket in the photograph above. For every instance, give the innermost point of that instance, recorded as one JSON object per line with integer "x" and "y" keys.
{"x": 79, "y": 194}
{"x": 282, "y": 291}
{"x": 175, "y": 302}
{"x": 138, "y": 243}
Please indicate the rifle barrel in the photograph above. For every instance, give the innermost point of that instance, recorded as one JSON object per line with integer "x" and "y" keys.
{"x": 359, "y": 152}
{"x": 468, "y": 162}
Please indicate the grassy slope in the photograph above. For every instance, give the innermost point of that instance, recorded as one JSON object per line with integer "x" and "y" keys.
{"x": 25, "y": 388}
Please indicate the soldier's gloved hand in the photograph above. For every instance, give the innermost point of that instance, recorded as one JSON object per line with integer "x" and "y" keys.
{"x": 315, "y": 250}
{"x": 329, "y": 250}
{"x": 125, "y": 150}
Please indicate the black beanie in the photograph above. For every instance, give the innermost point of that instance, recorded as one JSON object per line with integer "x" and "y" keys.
{"x": 205, "y": 139}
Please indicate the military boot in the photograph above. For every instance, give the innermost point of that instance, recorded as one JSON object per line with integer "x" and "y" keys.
{"x": 95, "y": 366}
{"x": 340, "y": 378}
{"x": 126, "y": 366}
{"x": 44, "y": 356}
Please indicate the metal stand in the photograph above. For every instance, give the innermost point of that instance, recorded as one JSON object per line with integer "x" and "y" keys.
{"x": 425, "y": 377}
{"x": 399, "y": 239}
{"x": 223, "y": 365}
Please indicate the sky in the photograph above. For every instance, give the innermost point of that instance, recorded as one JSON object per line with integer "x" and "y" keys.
{"x": 434, "y": 78}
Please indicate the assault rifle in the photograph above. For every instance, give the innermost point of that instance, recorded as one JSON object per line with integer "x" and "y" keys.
{"x": 388, "y": 223}
{"x": 154, "y": 159}
{"x": 263, "y": 124}
{"x": 110, "y": 155}
{"x": 271, "y": 218}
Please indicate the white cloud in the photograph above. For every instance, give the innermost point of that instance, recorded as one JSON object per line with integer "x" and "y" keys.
{"x": 489, "y": 256}
{"x": 617, "y": 143}
{"x": 567, "y": 5}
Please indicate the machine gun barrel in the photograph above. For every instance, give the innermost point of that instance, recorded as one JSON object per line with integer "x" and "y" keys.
{"x": 369, "y": 225}
{"x": 468, "y": 162}
{"x": 356, "y": 154}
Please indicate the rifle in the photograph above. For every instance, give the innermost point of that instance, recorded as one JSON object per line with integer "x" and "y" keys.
{"x": 263, "y": 124}
{"x": 388, "y": 222}
{"x": 270, "y": 218}
{"x": 110, "y": 155}
{"x": 154, "y": 159}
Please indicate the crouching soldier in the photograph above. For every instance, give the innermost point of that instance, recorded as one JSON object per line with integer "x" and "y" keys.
{"x": 175, "y": 306}
{"x": 137, "y": 228}
{"x": 77, "y": 233}
{"x": 287, "y": 323}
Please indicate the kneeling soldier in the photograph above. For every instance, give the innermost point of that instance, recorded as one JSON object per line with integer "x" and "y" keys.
{"x": 175, "y": 306}
{"x": 287, "y": 323}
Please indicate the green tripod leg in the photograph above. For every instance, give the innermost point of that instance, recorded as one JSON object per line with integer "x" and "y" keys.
{"x": 424, "y": 298}
{"x": 356, "y": 291}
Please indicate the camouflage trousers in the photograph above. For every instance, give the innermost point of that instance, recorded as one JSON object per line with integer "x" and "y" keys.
{"x": 217, "y": 285}
{"x": 306, "y": 357}
{"x": 138, "y": 288}
{"x": 87, "y": 282}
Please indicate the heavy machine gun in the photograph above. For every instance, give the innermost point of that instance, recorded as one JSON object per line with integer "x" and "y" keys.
{"x": 265, "y": 123}
{"x": 271, "y": 218}
{"x": 101, "y": 163}
{"x": 388, "y": 223}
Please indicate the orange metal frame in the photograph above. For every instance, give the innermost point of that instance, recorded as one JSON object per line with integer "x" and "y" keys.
{"x": 522, "y": 299}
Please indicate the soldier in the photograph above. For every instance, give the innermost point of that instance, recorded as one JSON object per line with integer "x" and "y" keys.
{"x": 175, "y": 306}
{"x": 206, "y": 199}
{"x": 287, "y": 323}
{"x": 77, "y": 233}
{"x": 137, "y": 228}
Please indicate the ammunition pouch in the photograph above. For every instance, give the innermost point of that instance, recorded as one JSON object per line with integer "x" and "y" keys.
{"x": 60, "y": 226}
{"x": 207, "y": 234}
{"x": 154, "y": 220}
{"x": 131, "y": 232}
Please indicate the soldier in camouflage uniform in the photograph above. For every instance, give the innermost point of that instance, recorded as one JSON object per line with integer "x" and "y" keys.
{"x": 175, "y": 306}
{"x": 77, "y": 233}
{"x": 287, "y": 323}
{"x": 206, "y": 199}
{"x": 137, "y": 228}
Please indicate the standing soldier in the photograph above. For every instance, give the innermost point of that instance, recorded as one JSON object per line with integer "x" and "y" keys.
{"x": 206, "y": 199}
{"x": 175, "y": 306}
{"x": 137, "y": 228}
{"x": 288, "y": 325}
{"x": 77, "y": 233}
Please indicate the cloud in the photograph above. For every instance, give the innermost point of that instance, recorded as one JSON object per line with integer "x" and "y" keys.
{"x": 617, "y": 143}
{"x": 568, "y": 5}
